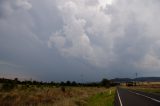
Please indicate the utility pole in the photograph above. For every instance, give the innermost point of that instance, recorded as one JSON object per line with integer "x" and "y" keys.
{"x": 136, "y": 75}
{"x": 136, "y": 78}
{"x": 82, "y": 78}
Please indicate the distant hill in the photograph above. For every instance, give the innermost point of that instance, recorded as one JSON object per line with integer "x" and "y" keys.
{"x": 154, "y": 79}
{"x": 121, "y": 80}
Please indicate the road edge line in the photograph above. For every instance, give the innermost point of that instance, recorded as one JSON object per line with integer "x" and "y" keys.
{"x": 145, "y": 96}
{"x": 119, "y": 98}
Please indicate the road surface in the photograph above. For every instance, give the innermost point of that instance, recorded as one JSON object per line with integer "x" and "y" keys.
{"x": 126, "y": 97}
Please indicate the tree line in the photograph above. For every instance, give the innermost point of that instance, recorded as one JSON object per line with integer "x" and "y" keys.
{"x": 7, "y": 84}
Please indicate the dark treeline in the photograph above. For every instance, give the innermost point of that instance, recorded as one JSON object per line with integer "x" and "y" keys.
{"x": 12, "y": 83}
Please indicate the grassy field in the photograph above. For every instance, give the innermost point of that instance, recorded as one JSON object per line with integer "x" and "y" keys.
{"x": 57, "y": 96}
{"x": 149, "y": 87}
{"x": 148, "y": 90}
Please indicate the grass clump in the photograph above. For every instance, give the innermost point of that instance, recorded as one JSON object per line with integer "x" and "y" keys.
{"x": 103, "y": 99}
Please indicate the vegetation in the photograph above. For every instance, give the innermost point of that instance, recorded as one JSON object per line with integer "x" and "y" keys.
{"x": 105, "y": 98}
{"x": 147, "y": 90}
{"x": 103, "y": 83}
{"x": 148, "y": 87}
{"x": 55, "y": 96}
{"x": 34, "y": 93}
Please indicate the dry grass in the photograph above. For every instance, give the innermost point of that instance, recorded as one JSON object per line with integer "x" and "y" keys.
{"x": 145, "y": 84}
{"x": 149, "y": 87}
{"x": 148, "y": 84}
{"x": 48, "y": 96}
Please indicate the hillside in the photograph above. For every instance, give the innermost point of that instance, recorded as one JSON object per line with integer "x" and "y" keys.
{"x": 150, "y": 79}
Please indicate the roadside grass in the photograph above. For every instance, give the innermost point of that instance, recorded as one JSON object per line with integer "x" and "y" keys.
{"x": 105, "y": 98}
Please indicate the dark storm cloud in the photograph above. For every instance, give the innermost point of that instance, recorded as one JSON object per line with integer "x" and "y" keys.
{"x": 60, "y": 40}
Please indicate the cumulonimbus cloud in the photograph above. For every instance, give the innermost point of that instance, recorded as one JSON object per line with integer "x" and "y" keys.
{"x": 105, "y": 33}
{"x": 119, "y": 36}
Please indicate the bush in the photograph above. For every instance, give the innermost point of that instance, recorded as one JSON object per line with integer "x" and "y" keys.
{"x": 105, "y": 83}
{"x": 63, "y": 89}
{"x": 8, "y": 86}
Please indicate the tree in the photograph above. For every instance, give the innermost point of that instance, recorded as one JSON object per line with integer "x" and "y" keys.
{"x": 74, "y": 83}
{"x": 68, "y": 83}
{"x": 8, "y": 86}
{"x": 105, "y": 82}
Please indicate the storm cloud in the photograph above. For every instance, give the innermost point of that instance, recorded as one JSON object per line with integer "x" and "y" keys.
{"x": 67, "y": 39}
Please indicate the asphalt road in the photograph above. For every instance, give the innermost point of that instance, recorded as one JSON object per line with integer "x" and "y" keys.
{"x": 126, "y": 97}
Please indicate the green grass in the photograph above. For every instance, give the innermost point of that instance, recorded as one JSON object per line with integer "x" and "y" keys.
{"x": 102, "y": 99}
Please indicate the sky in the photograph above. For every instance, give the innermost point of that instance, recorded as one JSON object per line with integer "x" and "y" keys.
{"x": 79, "y": 40}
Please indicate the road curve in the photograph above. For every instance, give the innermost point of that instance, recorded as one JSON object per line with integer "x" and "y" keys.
{"x": 126, "y": 97}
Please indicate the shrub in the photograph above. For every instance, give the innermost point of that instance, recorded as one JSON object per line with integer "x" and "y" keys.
{"x": 105, "y": 82}
{"x": 63, "y": 89}
{"x": 8, "y": 86}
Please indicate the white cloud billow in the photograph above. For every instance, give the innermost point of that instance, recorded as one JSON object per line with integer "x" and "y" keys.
{"x": 78, "y": 30}
{"x": 23, "y": 3}
{"x": 104, "y": 32}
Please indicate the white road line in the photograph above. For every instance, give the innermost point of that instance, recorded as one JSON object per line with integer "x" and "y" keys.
{"x": 145, "y": 96}
{"x": 119, "y": 98}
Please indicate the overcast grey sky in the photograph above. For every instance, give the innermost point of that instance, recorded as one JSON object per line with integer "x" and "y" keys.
{"x": 79, "y": 39}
